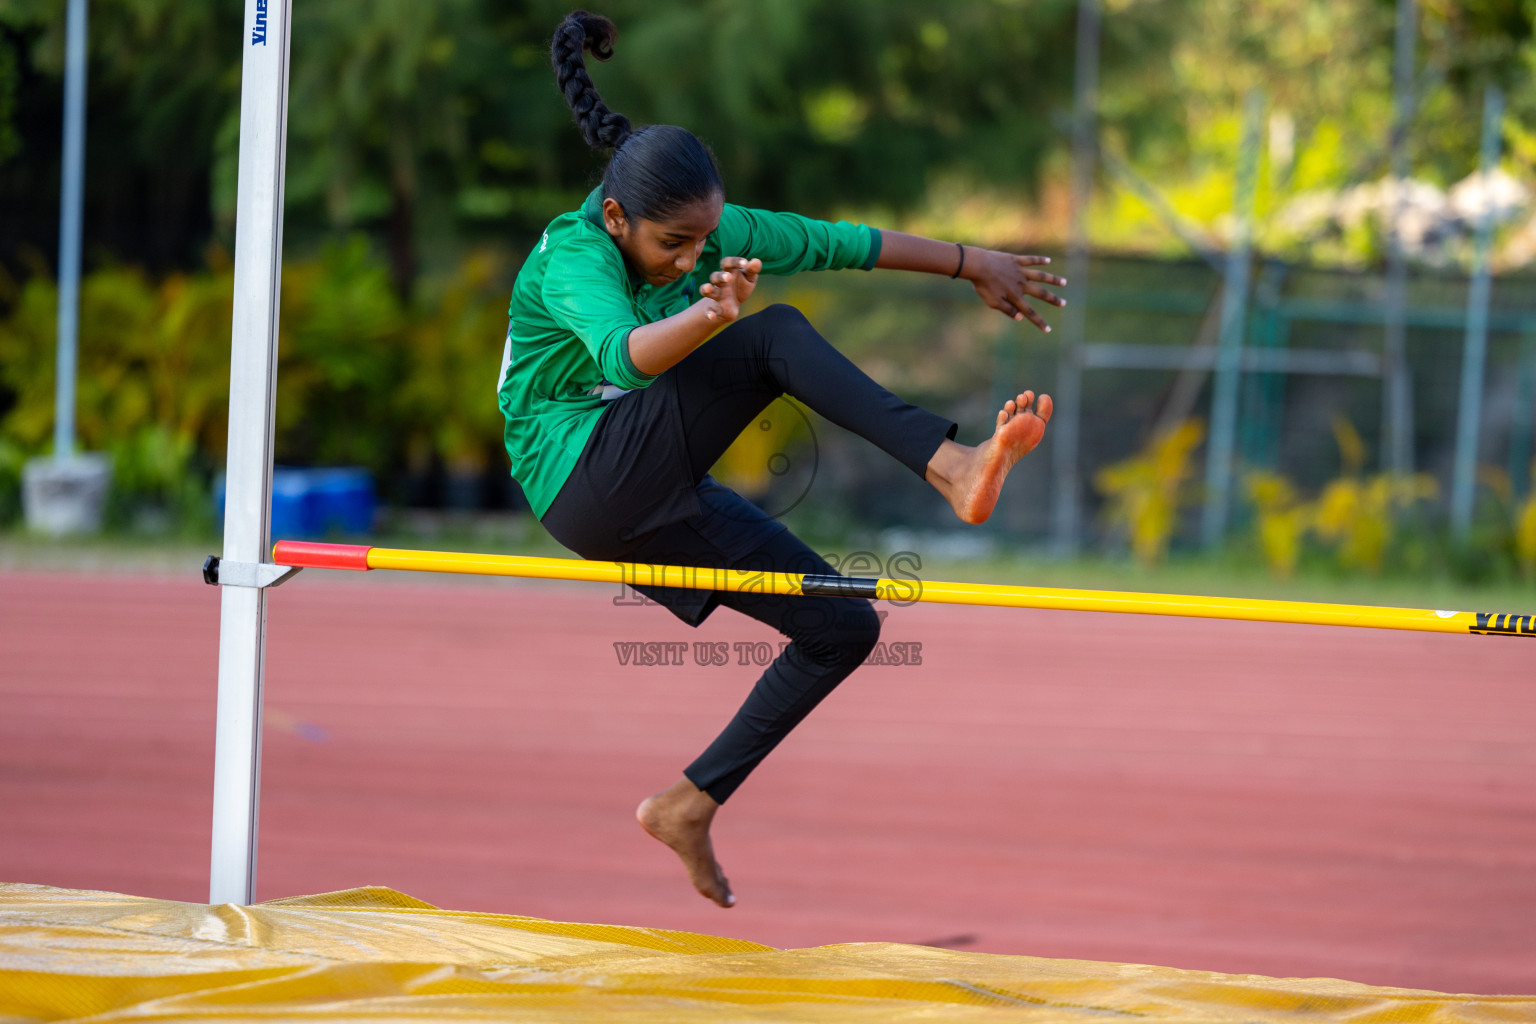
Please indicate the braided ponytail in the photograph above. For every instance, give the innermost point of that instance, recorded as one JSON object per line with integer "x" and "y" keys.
{"x": 654, "y": 171}
{"x": 580, "y": 31}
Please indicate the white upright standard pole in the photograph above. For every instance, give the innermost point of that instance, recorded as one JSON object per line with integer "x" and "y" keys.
{"x": 252, "y": 377}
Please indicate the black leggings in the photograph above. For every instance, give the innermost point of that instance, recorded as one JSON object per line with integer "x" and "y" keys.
{"x": 641, "y": 492}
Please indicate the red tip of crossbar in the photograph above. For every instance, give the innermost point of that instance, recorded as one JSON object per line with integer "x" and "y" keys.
{"x": 315, "y": 555}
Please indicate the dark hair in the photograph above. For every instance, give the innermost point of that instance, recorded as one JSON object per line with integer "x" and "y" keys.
{"x": 654, "y": 171}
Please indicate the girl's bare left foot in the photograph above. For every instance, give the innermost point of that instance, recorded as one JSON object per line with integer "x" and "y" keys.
{"x": 972, "y": 478}
{"x": 680, "y": 817}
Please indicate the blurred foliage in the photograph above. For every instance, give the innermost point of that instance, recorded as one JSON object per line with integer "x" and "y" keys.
{"x": 1513, "y": 532}
{"x": 447, "y": 403}
{"x": 12, "y": 459}
{"x": 10, "y": 138}
{"x": 162, "y": 77}
{"x": 152, "y": 391}
{"x": 1525, "y": 537}
{"x": 366, "y": 379}
{"x": 435, "y": 126}
{"x": 1146, "y": 491}
{"x": 1281, "y": 520}
{"x": 145, "y": 358}
{"x": 341, "y": 346}
{"x": 1356, "y": 515}
{"x": 870, "y": 99}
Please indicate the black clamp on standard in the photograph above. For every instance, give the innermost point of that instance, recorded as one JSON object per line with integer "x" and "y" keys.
{"x": 220, "y": 572}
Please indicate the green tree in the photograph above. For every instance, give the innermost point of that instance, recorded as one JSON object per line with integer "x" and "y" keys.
{"x": 10, "y": 76}
{"x": 396, "y": 110}
{"x": 437, "y": 126}
{"x": 815, "y": 106}
{"x": 161, "y": 77}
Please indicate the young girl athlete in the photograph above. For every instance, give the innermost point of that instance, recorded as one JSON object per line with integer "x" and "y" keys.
{"x": 627, "y": 374}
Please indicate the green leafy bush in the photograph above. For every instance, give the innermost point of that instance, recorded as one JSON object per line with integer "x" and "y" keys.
{"x": 364, "y": 379}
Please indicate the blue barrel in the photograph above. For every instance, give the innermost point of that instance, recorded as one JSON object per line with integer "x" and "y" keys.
{"x": 294, "y": 511}
{"x": 312, "y": 503}
{"x": 345, "y": 500}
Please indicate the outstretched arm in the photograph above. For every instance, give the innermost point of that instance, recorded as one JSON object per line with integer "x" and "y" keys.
{"x": 1004, "y": 281}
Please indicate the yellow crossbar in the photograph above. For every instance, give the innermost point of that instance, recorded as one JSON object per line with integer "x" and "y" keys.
{"x": 904, "y": 591}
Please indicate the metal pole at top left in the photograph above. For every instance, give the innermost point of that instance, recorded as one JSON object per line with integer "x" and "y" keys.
{"x": 252, "y": 382}
{"x": 70, "y": 214}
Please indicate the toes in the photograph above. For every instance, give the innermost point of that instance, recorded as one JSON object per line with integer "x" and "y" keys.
{"x": 1028, "y": 403}
{"x": 720, "y": 893}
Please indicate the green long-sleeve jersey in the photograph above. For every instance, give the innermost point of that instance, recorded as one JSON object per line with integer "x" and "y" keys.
{"x": 575, "y": 302}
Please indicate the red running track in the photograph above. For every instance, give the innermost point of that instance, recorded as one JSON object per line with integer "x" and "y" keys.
{"x": 1282, "y": 800}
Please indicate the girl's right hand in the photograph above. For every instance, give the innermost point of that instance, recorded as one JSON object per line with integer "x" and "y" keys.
{"x": 1007, "y": 282}
{"x": 730, "y": 287}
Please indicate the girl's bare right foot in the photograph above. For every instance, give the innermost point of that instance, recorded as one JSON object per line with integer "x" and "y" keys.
{"x": 972, "y": 478}
{"x": 680, "y": 817}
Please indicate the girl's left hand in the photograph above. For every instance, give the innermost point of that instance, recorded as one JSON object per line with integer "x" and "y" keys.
{"x": 1007, "y": 282}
